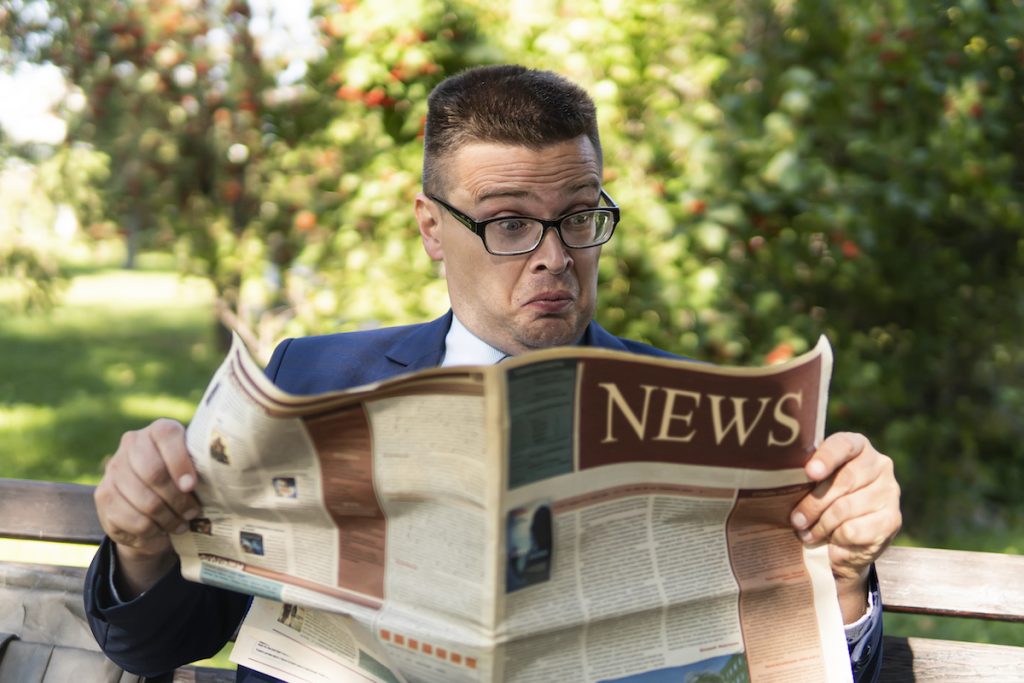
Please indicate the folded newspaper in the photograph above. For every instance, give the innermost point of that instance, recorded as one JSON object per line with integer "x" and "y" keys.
{"x": 572, "y": 514}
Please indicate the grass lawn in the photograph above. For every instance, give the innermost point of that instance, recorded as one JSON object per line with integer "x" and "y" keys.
{"x": 121, "y": 349}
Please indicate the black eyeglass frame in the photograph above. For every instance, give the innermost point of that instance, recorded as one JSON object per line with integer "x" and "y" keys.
{"x": 478, "y": 226}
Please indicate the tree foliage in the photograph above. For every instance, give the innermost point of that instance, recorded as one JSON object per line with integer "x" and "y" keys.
{"x": 785, "y": 170}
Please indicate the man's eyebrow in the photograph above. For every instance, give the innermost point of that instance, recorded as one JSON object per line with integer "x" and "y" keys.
{"x": 499, "y": 194}
{"x": 519, "y": 194}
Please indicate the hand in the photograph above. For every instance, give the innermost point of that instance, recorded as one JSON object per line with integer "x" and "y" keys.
{"x": 855, "y": 508}
{"x": 146, "y": 494}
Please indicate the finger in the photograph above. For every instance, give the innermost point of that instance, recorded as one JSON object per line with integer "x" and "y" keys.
{"x": 866, "y": 500}
{"x": 130, "y": 508}
{"x": 169, "y": 438}
{"x": 833, "y": 453}
{"x": 126, "y": 525}
{"x": 148, "y": 500}
{"x": 158, "y": 452}
{"x": 129, "y": 500}
{"x": 867, "y": 467}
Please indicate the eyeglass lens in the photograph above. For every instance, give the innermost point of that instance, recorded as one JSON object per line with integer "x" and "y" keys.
{"x": 584, "y": 229}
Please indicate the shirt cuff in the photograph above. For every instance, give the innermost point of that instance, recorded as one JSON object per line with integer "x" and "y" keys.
{"x": 112, "y": 585}
{"x": 856, "y": 630}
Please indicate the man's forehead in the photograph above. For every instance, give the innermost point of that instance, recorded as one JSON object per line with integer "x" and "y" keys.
{"x": 486, "y": 170}
{"x": 516, "y": 192}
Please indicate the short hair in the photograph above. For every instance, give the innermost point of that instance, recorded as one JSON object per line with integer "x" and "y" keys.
{"x": 504, "y": 104}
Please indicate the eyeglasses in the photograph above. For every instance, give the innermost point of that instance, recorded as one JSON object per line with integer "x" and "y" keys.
{"x": 513, "y": 235}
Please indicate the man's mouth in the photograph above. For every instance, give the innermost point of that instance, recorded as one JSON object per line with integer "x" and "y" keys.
{"x": 555, "y": 301}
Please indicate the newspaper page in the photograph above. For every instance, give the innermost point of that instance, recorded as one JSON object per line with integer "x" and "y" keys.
{"x": 571, "y": 514}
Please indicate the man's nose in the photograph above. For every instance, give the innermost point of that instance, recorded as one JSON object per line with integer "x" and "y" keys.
{"x": 551, "y": 254}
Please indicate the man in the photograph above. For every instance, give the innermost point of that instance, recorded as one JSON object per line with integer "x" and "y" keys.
{"x": 503, "y": 144}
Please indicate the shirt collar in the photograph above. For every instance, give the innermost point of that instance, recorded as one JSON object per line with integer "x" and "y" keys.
{"x": 462, "y": 347}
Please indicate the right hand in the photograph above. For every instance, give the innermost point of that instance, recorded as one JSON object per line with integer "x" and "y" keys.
{"x": 145, "y": 495}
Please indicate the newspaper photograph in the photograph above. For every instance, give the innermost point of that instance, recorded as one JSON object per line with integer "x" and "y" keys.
{"x": 571, "y": 514}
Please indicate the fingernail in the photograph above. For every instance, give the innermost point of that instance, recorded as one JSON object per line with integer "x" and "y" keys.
{"x": 816, "y": 469}
{"x": 181, "y": 529}
{"x": 805, "y": 536}
{"x": 191, "y": 514}
{"x": 186, "y": 482}
{"x": 798, "y": 520}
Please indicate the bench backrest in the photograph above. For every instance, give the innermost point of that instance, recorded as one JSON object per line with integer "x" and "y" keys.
{"x": 48, "y": 511}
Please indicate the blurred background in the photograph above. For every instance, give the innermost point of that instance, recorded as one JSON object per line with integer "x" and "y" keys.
{"x": 171, "y": 170}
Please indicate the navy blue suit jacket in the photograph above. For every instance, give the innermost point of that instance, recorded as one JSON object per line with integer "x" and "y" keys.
{"x": 176, "y": 621}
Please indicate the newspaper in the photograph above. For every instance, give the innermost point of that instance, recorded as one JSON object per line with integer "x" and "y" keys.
{"x": 572, "y": 514}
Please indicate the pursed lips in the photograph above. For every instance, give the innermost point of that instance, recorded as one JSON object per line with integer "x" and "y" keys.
{"x": 551, "y": 301}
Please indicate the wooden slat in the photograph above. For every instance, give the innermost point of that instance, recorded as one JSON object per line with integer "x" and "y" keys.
{"x": 952, "y": 583}
{"x": 48, "y": 511}
{"x": 924, "y": 660}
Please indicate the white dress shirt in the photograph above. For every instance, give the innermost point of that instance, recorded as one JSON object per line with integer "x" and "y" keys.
{"x": 462, "y": 347}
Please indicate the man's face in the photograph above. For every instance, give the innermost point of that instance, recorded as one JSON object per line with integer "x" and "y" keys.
{"x": 516, "y": 303}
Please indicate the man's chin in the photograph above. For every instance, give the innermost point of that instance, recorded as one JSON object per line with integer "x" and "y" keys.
{"x": 546, "y": 333}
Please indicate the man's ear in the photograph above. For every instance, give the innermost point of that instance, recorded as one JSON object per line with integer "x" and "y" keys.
{"x": 429, "y": 220}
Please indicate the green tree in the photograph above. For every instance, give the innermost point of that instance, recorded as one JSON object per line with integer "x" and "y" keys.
{"x": 794, "y": 169}
{"x": 175, "y": 97}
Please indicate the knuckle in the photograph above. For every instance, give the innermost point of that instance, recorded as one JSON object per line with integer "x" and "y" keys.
{"x": 846, "y": 479}
{"x": 127, "y": 442}
{"x": 846, "y": 438}
{"x": 165, "y": 428}
{"x": 855, "y": 443}
{"x": 840, "y": 510}
{"x": 103, "y": 496}
{"x": 850, "y": 533}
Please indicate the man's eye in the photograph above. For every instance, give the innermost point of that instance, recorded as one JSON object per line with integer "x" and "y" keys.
{"x": 579, "y": 220}
{"x": 511, "y": 226}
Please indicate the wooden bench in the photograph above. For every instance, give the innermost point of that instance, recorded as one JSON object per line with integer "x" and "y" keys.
{"x": 926, "y": 581}
{"x": 47, "y": 511}
{"x": 952, "y": 583}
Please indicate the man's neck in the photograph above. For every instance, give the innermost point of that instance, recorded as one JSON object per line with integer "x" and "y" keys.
{"x": 462, "y": 347}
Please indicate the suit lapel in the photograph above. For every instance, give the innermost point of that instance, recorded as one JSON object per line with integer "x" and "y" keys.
{"x": 423, "y": 347}
{"x": 599, "y": 337}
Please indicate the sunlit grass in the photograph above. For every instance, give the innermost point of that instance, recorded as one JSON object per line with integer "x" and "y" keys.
{"x": 953, "y": 628}
{"x": 121, "y": 349}
{"x": 147, "y": 407}
{"x": 133, "y": 291}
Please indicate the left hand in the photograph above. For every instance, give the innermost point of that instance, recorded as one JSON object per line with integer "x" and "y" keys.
{"x": 855, "y": 508}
